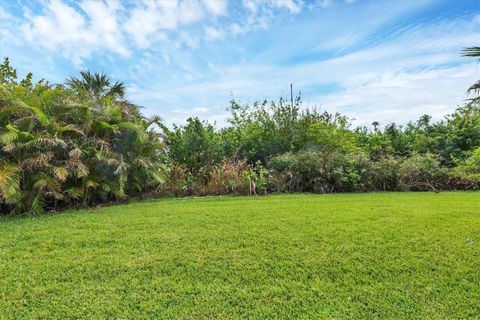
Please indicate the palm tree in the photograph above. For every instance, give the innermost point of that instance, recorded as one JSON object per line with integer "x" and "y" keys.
{"x": 473, "y": 52}
{"x": 61, "y": 148}
{"x": 97, "y": 86}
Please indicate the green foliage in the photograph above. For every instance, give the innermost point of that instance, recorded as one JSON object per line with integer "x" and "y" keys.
{"x": 472, "y": 164}
{"x": 59, "y": 150}
{"x": 196, "y": 145}
{"x": 83, "y": 143}
{"x": 227, "y": 177}
{"x": 265, "y": 129}
{"x": 460, "y": 133}
{"x": 473, "y": 52}
{"x": 309, "y": 150}
{"x": 7, "y": 73}
{"x": 96, "y": 86}
{"x": 324, "y": 172}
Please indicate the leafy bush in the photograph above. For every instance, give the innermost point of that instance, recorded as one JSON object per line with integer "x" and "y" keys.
{"x": 195, "y": 145}
{"x": 419, "y": 172}
{"x": 72, "y": 146}
{"x": 83, "y": 143}
{"x": 315, "y": 171}
{"x": 228, "y": 177}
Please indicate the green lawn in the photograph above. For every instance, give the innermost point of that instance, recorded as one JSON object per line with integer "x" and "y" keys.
{"x": 348, "y": 256}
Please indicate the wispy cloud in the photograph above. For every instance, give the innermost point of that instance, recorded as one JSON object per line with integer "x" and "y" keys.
{"x": 255, "y": 6}
{"x": 213, "y": 34}
{"x": 372, "y": 60}
{"x": 80, "y": 29}
{"x": 60, "y": 27}
{"x": 389, "y": 81}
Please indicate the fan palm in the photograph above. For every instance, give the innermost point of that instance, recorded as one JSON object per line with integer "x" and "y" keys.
{"x": 473, "y": 52}
{"x": 97, "y": 86}
{"x": 58, "y": 148}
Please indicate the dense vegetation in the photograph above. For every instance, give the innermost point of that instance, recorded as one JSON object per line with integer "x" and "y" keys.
{"x": 83, "y": 143}
{"x": 335, "y": 256}
{"x": 79, "y": 143}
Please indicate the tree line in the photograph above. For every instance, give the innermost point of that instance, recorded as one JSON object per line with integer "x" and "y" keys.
{"x": 82, "y": 143}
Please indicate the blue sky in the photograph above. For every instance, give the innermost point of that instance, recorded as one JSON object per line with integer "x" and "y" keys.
{"x": 368, "y": 59}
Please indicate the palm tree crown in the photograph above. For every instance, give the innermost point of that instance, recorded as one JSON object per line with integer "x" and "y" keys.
{"x": 473, "y": 52}
{"x": 97, "y": 86}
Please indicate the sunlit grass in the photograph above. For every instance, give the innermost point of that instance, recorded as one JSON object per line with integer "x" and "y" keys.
{"x": 386, "y": 255}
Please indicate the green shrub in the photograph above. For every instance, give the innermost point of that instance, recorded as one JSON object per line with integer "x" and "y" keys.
{"x": 419, "y": 172}
{"x": 63, "y": 147}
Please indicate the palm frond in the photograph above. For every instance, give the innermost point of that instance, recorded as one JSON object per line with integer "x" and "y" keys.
{"x": 475, "y": 88}
{"x": 37, "y": 204}
{"x": 43, "y": 182}
{"x": 42, "y": 118}
{"x": 91, "y": 184}
{"x": 9, "y": 147}
{"x": 140, "y": 134}
{"x": 77, "y": 167}
{"x": 9, "y": 137}
{"x": 37, "y": 162}
{"x": 473, "y": 52}
{"x": 10, "y": 189}
{"x": 61, "y": 173}
{"x": 75, "y": 153}
{"x": 70, "y": 128}
{"x": 13, "y": 134}
{"x": 74, "y": 193}
{"x": 97, "y": 85}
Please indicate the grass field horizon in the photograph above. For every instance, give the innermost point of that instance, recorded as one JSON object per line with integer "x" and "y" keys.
{"x": 360, "y": 255}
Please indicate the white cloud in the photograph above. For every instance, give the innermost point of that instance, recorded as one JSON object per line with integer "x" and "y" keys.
{"x": 236, "y": 29}
{"x": 5, "y": 15}
{"x": 189, "y": 11}
{"x": 402, "y": 96}
{"x": 213, "y": 34}
{"x": 148, "y": 19}
{"x": 103, "y": 23}
{"x": 324, "y": 3}
{"x": 391, "y": 81}
{"x": 151, "y": 18}
{"x": 292, "y": 5}
{"x": 216, "y": 7}
{"x": 76, "y": 36}
{"x": 43, "y": 29}
{"x": 80, "y": 29}
{"x": 189, "y": 40}
{"x": 255, "y": 6}
{"x": 341, "y": 42}
{"x": 7, "y": 19}
{"x": 391, "y": 74}
{"x": 368, "y": 95}
{"x": 259, "y": 14}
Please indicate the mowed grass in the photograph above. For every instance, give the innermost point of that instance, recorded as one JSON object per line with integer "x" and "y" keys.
{"x": 348, "y": 256}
